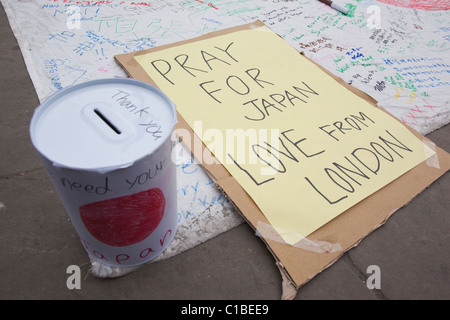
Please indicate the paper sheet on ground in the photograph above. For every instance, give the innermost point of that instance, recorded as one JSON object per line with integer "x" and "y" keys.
{"x": 302, "y": 146}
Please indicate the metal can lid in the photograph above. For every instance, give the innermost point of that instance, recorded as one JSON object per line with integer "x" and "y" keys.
{"x": 102, "y": 125}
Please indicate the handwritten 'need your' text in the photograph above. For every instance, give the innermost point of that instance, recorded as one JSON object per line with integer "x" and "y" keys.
{"x": 244, "y": 84}
{"x": 141, "y": 179}
{"x": 345, "y": 174}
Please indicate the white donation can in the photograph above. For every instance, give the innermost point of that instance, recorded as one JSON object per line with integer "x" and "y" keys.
{"x": 106, "y": 145}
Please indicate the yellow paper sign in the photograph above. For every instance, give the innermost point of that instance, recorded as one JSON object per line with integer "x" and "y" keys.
{"x": 303, "y": 147}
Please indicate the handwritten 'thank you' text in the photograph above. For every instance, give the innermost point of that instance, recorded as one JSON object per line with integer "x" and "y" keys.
{"x": 125, "y": 100}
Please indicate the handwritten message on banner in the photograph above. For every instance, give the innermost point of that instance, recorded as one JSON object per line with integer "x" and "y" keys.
{"x": 303, "y": 147}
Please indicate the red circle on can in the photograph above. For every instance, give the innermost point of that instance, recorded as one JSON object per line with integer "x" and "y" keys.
{"x": 125, "y": 220}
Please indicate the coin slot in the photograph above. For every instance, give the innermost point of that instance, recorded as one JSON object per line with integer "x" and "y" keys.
{"x": 106, "y": 120}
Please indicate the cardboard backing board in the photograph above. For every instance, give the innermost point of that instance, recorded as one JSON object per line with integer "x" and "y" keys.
{"x": 299, "y": 264}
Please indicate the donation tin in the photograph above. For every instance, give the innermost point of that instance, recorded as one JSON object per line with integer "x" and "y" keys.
{"x": 106, "y": 145}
